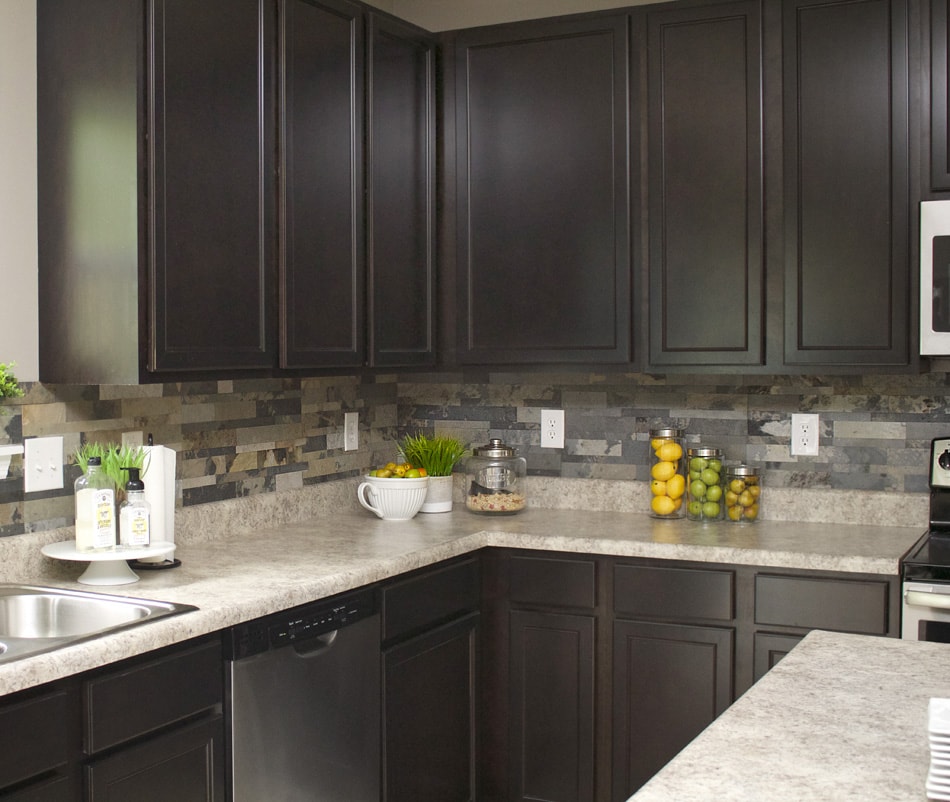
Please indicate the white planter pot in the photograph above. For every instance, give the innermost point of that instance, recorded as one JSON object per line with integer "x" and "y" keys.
{"x": 439, "y": 495}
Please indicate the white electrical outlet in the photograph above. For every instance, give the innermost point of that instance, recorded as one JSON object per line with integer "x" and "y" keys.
{"x": 42, "y": 464}
{"x": 804, "y": 435}
{"x": 552, "y": 428}
{"x": 351, "y": 431}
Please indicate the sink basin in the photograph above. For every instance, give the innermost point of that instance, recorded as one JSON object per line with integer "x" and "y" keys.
{"x": 38, "y": 619}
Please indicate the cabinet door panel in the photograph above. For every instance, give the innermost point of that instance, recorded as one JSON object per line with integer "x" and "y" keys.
{"x": 187, "y": 764}
{"x": 212, "y": 191}
{"x": 847, "y": 276}
{"x": 429, "y": 729}
{"x": 543, "y": 212}
{"x": 670, "y": 682}
{"x": 939, "y": 96}
{"x": 705, "y": 179}
{"x": 401, "y": 137}
{"x": 552, "y": 707}
{"x": 322, "y": 258}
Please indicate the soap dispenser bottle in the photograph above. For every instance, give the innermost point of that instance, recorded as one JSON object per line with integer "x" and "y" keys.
{"x": 135, "y": 514}
{"x": 95, "y": 509}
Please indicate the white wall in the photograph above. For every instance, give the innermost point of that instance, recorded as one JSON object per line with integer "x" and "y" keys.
{"x": 18, "y": 288}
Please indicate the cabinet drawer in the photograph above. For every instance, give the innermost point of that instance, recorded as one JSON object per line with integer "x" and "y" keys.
{"x": 553, "y": 582}
{"x": 848, "y": 605}
{"x": 37, "y": 736}
{"x": 431, "y": 597}
{"x": 644, "y": 591}
{"x": 147, "y": 696}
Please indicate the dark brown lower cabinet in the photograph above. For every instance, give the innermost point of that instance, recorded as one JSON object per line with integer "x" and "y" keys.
{"x": 148, "y": 729}
{"x": 429, "y": 722}
{"x": 601, "y": 669}
{"x": 670, "y": 682}
{"x": 552, "y": 706}
{"x": 430, "y": 683}
{"x": 39, "y": 745}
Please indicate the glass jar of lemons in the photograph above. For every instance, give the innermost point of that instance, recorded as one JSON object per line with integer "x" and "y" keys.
{"x": 667, "y": 473}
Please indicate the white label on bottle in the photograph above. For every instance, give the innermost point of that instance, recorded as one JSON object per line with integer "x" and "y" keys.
{"x": 134, "y": 527}
{"x": 104, "y": 535}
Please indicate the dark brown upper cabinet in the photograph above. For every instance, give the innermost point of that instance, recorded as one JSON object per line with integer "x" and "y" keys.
{"x": 322, "y": 213}
{"x": 846, "y": 183}
{"x": 401, "y": 193}
{"x": 156, "y": 192}
{"x": 203, "y": 188}
{"x": 939, "y": 97}
{"x": 543, "y": 253}
{"x": 705, "y": 185}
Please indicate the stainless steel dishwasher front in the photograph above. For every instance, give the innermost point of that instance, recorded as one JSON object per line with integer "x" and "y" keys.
{"x": 304, "y": 703}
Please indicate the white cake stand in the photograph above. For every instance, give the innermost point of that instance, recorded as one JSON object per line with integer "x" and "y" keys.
{"x": 106, "y": 567}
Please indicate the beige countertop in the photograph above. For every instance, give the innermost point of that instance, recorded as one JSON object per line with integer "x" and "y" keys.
{"x": 840, "y": 717}
{"x": 250, "y": 564}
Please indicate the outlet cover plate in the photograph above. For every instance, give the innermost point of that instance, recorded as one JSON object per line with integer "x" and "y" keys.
{"x": 42, "y": 464}
{"x": 351, "y": 431}
{"x": 804, "y": 442}
{"x": 552, "y": 428}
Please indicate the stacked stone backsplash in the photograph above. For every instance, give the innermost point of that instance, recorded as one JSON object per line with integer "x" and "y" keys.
{"x": 244, "y": 437}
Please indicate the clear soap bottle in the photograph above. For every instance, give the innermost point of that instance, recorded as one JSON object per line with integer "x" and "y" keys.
{"x": 135, "y": 514}
{"x": 95, "y": 509}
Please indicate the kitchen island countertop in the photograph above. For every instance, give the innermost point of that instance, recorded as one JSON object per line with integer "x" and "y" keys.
{"x": 236, "y": 577}
{"x": 840, "y": 717}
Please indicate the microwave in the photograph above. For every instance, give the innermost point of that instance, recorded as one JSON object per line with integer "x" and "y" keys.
{"x": 935, "y": 278}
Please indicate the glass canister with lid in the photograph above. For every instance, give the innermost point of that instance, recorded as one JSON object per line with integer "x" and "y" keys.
{"x": 495, "y": 477}
{"x": 743, "y": 493}
{"x": 667, "y": 473}
{"x": 705, "y": 483}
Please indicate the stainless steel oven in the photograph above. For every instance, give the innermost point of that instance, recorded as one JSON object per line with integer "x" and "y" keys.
{"x": 925, "y": 568}
{"x": 925, "y": 614}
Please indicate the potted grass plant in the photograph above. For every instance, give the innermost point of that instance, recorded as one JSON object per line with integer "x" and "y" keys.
{"x": 438, "y": 456}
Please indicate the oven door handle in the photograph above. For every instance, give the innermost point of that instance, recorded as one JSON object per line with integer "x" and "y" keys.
{"x": 921, "y": 599}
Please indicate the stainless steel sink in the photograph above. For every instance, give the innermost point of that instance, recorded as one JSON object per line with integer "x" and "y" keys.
{"x": 39, "y": 619}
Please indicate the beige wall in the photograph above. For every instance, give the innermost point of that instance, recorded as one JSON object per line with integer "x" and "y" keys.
{"x": 445, "y": 15}
{"x": 18, "y": 315}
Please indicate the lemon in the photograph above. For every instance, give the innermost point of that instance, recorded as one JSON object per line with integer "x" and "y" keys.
{"x": 658, "y": 488}
{"x": 663, "y": 471}
{"x": 669, "y": 452}
{"x": 662, "y": 505}
{"x": 656, "y": 442}
{"x": 675, "y": 486}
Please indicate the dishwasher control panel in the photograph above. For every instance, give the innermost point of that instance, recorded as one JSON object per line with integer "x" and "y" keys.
{"x": 298, "y": 624}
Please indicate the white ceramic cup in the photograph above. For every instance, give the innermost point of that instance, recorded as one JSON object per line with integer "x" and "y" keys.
{"x": 393, "y": 499}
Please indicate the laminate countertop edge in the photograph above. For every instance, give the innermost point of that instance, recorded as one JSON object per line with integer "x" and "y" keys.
{"x": 233, "y": 577}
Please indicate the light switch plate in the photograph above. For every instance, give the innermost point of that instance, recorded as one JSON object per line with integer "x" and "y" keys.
{"x": 42, "y": 464}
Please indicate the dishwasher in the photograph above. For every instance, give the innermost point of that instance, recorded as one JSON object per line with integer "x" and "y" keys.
{"x": 303, "y": 706}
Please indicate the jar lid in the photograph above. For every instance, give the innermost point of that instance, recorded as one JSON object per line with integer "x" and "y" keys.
{"x": 704, "y": 451}
{"x": 666, "y": 432}
{"x": 743, "y": 470}
{"x": 495, "y": 448}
